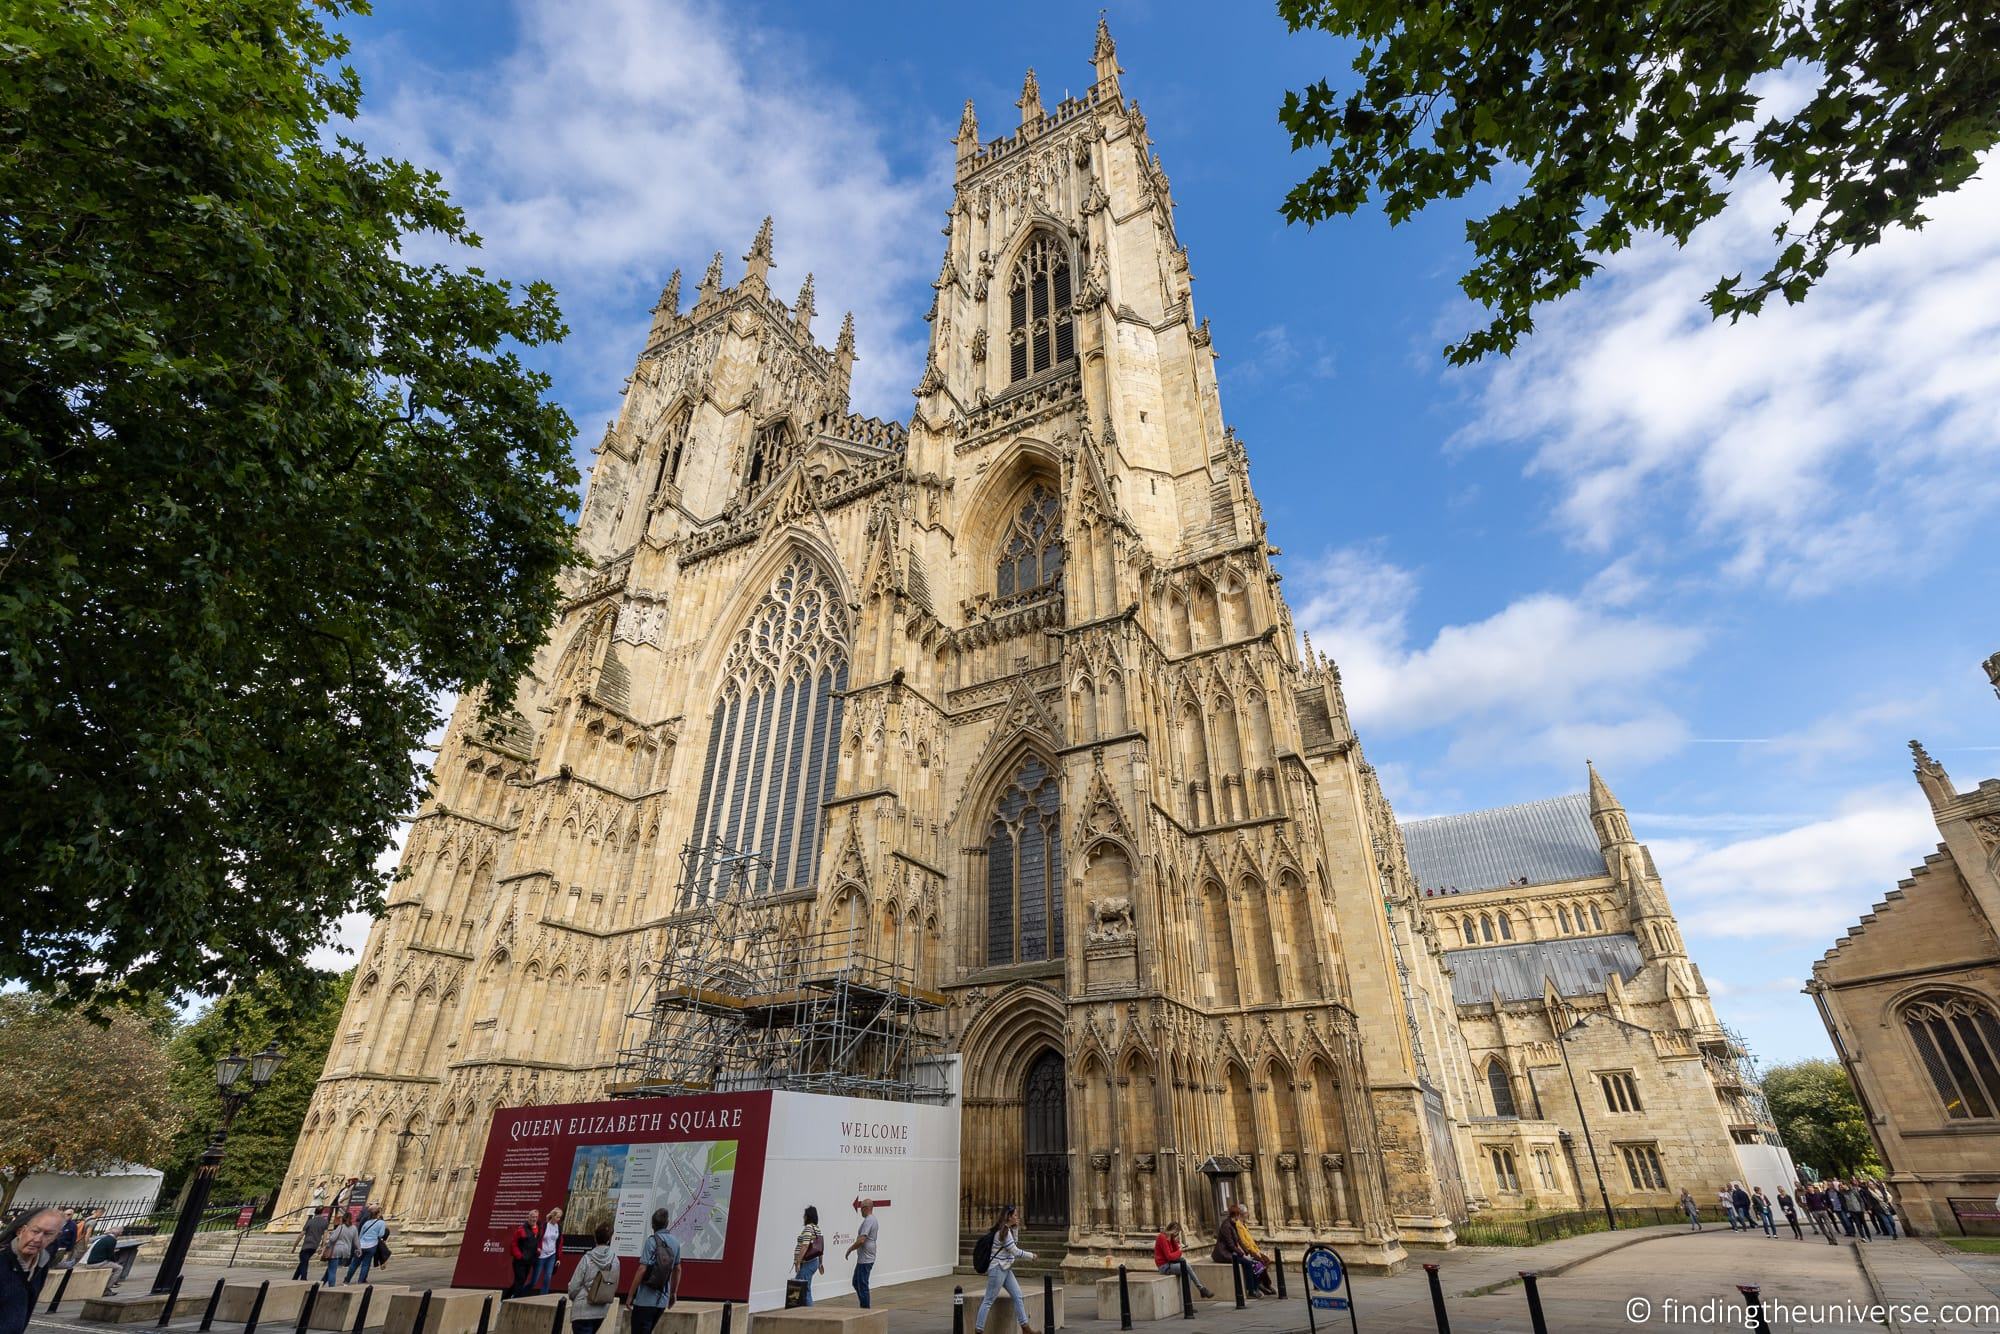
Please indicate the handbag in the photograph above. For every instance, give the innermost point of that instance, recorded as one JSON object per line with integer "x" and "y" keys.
{"x": 816, "y": 1248}
{"x": 381, "y": 1253}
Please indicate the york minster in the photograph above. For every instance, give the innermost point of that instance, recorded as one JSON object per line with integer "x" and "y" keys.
{"x": 1010, "y": 693}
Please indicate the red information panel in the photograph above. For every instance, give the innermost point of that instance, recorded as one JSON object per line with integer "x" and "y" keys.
{"x": 700, "y": 1157}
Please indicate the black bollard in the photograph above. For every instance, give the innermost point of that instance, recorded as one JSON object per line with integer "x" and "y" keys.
{"x": 1187, "y": 1292}
{"x": 725, "y": 1317}
{"x": 361, "y": 1313}
{"x": 1124, "y": 1301}
{"x": 214, "y": 1299}
{"x": 957, "y": 1310}
{"x": 485, "y": 1315}
{"x": 1535, "y": 1318}
{"x": 61, "y": 1288}
{"x": 257, "y": 1307}
{"x": 1236, "y": 1275}
{"x": 306, "y": 1309}
{"x": 1753, "y": 1298}
{"x": 562, "y": 1309}
{"x": 1049, "y": 1304}
{"x": 1278, "y": 1263}
{"x": 1437, "y": 1300}
{"x": 173, "y": 1297}
{"x": 423, "y": 1310}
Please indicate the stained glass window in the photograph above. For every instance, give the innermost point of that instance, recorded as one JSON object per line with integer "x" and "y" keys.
{"x": 1031, "y": 553}
{"x": 1024, "y": 912}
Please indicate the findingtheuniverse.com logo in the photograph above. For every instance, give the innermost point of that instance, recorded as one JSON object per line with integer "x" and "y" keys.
{"x": 1720, "y": 1313}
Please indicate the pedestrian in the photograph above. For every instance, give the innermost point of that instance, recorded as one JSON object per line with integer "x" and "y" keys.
{"x": 1229, "y": 1251}
{"x": 319, "y": 1195}
{"x": 65, "y": 1241}
{"x": 1876, "y": 1197}
{"x": 310, "y": 1237}
{"x": 1691, "y": 1209}
{"x": 103, "y": 1254}
{"x": 808, "y": 1254}
{"x": 547, "y": 1252}
{"x": 1000, "y": 1271}
{"x": 1240, "y": 1217}
{"x": 863, "y": 1249}
{"x": 593, "y": 1287}
{"x": 1852, "y": 1211}
{"x": 1739, "y": 1204}
{"x": 1761, "y": 1203}
{"x": 1728, "y": 1205}
{"x": 527, "y": 1239}
{"x": 1820, "y": 1212}
{"x": 371, "y": 1234}
{"x": 25, "y": 1266}
{"x": 342, "y": 1237}
{"x": 1169, "y": 1258}
{"x": 1791, "y": 1209}
{"x": 659, "y": 1280}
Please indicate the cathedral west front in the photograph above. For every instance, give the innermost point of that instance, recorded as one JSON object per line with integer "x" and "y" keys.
{"x": 1011, "y": 691}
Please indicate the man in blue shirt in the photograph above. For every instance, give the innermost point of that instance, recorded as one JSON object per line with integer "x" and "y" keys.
{"x": 659, "y": 1275}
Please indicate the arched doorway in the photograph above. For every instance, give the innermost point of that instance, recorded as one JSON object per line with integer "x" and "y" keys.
{"x": 1045, "y": 1142}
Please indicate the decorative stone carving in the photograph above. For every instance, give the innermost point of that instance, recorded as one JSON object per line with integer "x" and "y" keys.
{"x": 1112, "y": 919}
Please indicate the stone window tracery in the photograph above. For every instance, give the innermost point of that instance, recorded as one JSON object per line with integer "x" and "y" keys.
{"x": 772, "y": 734}
{"x": 1024, "y": 907}
{"x": 1501, "y": 1087}
{"x": 1031, "y": 553}
{"x": 771, "y": 448}
{"x": 1041, "y": 326}
{"x": 1958, "y": 1037}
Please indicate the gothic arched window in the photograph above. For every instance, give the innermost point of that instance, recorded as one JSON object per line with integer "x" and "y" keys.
{"x": 773, "y": 734}
{"x": 1024, "y": 909}
{"x": 675, "y": 441}
{"x": 1506, "y": 928}
{"x": 1031, "y": 552}
{"x": 1501, "y": 1087}
{"x": 1041, "y": 327}
{"x": 1596, "y": 918}
{"x": 1958, "y": 1037}
{"x": 1562, "y": 915}
{"x": 770, "y": 451}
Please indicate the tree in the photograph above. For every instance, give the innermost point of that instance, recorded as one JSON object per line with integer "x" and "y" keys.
{"x": 302, "y": 1018}
{"x": 267, "y": 489}
{"x": 1626, "y": 119}
{"x": 81, "y": 1096}
{"x": 1814, "y": 1107}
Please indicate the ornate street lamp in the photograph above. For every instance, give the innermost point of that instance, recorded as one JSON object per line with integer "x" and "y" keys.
{"x": 232, "y": 1091}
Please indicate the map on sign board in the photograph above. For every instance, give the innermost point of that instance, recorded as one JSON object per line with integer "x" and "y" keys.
{"x": 691, "y": 1181}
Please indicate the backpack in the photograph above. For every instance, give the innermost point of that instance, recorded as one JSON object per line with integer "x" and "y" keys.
{"x": 602, "y": 1289}
{"x": 982, "y": 1252}
{"x": 659, "y": 1275}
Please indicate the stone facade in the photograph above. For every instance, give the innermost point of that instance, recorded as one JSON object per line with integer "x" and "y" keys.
{"x": 1911, "y": 999}
{"x": 1010, "y": 687}
{"x": 1560, "y": 943}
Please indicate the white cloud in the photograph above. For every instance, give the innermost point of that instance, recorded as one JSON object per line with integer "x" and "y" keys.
{"x": 623, "y": 138}
{"x": 1809, "y": 882}
{"x": 1548, "y": 677}
{"x": 1845, "y": 438}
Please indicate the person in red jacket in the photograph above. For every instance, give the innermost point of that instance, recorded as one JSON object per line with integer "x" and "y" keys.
{"x": 1169, "y": 1259}
{"x": 527, "y": 1240}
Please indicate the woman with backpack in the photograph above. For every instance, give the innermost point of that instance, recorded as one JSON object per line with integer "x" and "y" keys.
{"x": 659, "y": 1275}
{"x": 342, "y": 1240}
{"x": 807, "y": 1255}
{"x": 1003, "y": 1248}
{"x": 593, "y": 1288}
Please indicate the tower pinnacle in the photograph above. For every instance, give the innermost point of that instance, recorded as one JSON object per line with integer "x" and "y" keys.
{"x": 1031, "y": 99}
{"x": 843, "y": 350}
{"x": 803, "y": 309}
{"x": 711, "y": 282}
{"x": 669, "y": 307}
{"x": 1105, "y": 54}
{"x": 759, "y": 259}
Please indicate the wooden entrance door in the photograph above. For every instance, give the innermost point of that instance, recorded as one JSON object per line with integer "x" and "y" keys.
{"x": 1045, "y": 1142}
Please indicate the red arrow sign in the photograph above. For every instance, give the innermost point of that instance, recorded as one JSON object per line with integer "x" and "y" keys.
{"x": 879, "y": 1204}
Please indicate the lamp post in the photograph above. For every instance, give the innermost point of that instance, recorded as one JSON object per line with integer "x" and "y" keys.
{"x": 1562, "y": 1046}
{"x": 229, "y": 1086}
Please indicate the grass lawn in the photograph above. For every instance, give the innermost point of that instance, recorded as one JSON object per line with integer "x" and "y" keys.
{"x": 1974, "y": 1245}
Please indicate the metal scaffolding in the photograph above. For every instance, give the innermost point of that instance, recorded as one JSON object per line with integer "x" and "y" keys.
{"x": 740, "y": 1003}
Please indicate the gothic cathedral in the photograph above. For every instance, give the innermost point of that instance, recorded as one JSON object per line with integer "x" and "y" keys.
{"x": 1013, "y": 686}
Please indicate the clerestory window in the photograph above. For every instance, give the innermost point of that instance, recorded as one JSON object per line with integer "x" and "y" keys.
{"x": 1041, "y": 326}
{"x": 1031, "y": 553}
{"x": 1024, "y": 908}
{"x": 1958, "y": 1037}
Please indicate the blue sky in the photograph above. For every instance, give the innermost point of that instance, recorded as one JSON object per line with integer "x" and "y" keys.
{"x": 1737, "y": 567}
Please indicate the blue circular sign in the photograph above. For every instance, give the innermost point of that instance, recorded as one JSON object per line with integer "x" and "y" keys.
{"x": 1323, "y": 1271}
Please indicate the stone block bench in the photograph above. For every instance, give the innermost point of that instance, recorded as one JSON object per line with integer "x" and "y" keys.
{"x": 685, "y": 1317}
{"x": 338, "y": 1308}
{"x": 283, "y": 1300}
{"x": 139, "y": 1308}
{"x": 1003, "y": 1319}
{"x": 79, "y": 1284}
{"x": 1154, "y": 1296}
{"x": 820, "y": 1320}
{"x": 452, "y": 1311}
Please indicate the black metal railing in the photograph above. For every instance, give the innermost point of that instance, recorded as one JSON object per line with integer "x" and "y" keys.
{"x": 134, "y": 1220}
